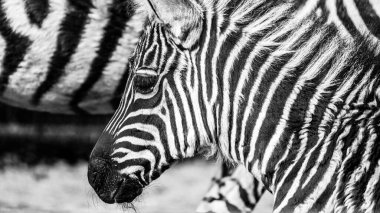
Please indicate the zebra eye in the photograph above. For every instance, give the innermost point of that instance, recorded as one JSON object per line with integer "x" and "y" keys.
{"x": 145, "y": 80}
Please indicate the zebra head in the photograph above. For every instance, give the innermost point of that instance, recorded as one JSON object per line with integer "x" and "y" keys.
{"x": 161, "y": 118}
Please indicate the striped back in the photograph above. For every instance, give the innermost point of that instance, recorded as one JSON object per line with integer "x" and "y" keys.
{"x": 66, "y": 56}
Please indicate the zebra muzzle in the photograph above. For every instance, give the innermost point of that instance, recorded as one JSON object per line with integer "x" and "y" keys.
{"x": 109, "y": 185}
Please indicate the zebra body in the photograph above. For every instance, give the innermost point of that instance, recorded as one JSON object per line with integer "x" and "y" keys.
{"x": 284, "y": 88}
{"x": 70, "y": 57}
{"x": 66, "y": 56}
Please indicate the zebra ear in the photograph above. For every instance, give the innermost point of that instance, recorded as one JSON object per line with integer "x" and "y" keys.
{"x": 183, "y": 19}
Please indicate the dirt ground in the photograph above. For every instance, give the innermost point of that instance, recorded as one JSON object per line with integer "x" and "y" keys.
{"x": 63, "y": 188}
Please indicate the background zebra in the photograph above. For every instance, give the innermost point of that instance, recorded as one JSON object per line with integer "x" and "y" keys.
{"x": 227, "y": 186}
{"x": 66, "y": 56}
{"x": 69, "y": 57}
{"x": 289, "y": 89}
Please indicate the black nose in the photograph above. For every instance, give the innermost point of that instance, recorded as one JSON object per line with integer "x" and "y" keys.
{"x": 103, "y": 179}
{"x": 109, "y": 184}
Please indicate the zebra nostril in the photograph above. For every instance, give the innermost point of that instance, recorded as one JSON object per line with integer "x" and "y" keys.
{"x": 128, "y": 190}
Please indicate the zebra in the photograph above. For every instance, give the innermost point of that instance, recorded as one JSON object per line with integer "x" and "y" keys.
{"x": 66, "y": 57}
{"x": 69, "y": 57}
{"x": 289, "y": 89}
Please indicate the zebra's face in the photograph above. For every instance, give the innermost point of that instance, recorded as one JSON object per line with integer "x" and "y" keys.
{"x": 155, "y": 123}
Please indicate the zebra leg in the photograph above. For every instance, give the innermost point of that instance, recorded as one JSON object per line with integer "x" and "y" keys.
{"x": 232, "y": 190}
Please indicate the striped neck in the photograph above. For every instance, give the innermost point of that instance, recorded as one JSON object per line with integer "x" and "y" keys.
{"x": 275, "y": 73}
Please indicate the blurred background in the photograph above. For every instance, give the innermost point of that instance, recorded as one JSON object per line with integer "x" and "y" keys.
{"x": 43, "y": 165}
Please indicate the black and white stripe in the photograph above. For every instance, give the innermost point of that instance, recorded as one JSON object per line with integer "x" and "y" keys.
{"x": 278, "y": 86}
{"x": 357, "y": 18}
{"x": 64, "y": 56}
{"x": 232, "y": 190}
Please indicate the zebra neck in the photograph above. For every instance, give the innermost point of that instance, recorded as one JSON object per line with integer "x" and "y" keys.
{"x": 280, "y": 79}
